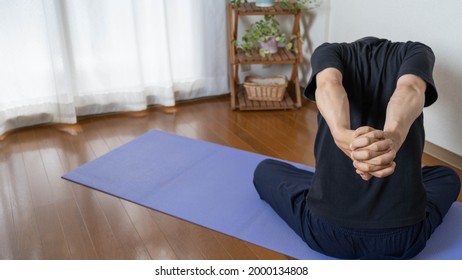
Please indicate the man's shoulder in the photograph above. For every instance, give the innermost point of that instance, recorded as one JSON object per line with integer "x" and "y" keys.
{"x": 327, "y": 47}
{"x": 412, "y": 47}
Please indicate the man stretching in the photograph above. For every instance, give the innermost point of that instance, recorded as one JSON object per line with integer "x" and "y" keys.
{"x": 369, "y": 197}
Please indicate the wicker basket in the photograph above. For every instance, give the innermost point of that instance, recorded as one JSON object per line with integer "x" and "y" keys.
{"x": 265, "y": 89}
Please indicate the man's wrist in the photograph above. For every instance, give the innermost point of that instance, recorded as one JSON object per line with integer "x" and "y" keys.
{"x": 397, "y": 136}
{"x": 342, "y": 138}
{"x": 342, "y": 134}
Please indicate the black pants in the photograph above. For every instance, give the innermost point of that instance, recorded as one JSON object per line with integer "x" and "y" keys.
{"x": 285, "y": 188}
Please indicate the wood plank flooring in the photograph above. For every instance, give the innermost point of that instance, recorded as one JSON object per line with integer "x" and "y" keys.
{"x": 45, "y": 217}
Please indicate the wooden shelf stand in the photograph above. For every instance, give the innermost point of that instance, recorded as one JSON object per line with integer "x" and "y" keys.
{"x": 237, "y": 57}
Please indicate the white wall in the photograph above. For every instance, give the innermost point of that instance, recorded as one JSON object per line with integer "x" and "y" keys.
{"x": 435, "y": 23}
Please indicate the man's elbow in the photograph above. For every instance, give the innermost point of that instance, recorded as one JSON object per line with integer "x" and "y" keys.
{"x": 411, "y": 83}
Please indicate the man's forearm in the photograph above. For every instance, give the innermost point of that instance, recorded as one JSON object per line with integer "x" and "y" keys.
{"x": 404, "y": 107}
{"x": 332, "y": 102}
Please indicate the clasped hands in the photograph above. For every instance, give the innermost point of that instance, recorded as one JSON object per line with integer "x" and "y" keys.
{"x": 372, "y": 151}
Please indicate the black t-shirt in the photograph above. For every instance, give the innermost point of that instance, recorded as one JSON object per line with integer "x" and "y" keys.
{"x": 370, "y": 69}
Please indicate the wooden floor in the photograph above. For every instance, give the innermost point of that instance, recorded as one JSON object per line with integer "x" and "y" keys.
{"x": 45, "y": 217}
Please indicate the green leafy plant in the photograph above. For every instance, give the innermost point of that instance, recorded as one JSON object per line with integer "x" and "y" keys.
{"x": 299, "y": 4}
{"x": 237, "y": 3}
{"x": 262, "y": 31}
{"x": 288, "y": 4}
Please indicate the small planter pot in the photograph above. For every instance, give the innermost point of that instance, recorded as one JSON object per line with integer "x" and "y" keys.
{"x": 264, "y": 3}
{"x": 270, "y": 46}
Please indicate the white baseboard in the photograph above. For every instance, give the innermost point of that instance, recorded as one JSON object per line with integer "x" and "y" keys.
{"x": 443, "y": 154}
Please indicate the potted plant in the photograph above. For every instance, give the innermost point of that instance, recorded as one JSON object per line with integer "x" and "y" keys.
{"x": 258, "y": 3}
{"x": 299, "y": 4}
{"x": 264, "y": 3}
{"x": 266, "y": 37}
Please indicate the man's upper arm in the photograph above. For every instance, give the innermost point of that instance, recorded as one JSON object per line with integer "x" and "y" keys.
{"x": 419, "y": 61}
{"x": 325, "y": 56}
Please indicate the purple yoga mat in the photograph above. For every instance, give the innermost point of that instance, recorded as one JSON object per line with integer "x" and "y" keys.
{"x": 211, "y": 185}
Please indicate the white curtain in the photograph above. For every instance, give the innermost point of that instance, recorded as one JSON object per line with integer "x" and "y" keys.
{"x": 60, "y": 59}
